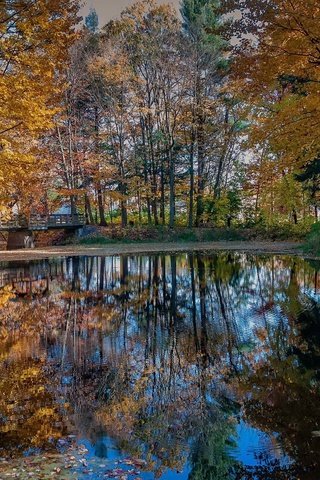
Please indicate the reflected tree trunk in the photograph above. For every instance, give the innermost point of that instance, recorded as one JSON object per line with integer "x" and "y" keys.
{"x": 194, "y": 305}
{"x": 203, "y": 313}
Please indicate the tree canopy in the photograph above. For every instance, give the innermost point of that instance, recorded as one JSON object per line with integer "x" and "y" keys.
{"x": 205, "y": 118}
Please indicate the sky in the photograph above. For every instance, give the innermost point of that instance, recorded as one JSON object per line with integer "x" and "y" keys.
{"x": 107, "y": 9}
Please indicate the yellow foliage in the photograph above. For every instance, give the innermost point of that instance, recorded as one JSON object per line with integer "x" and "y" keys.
{"x": 6, "y": 294}
{"x": 32, "y": 52}
{"x": 280, "y": 74}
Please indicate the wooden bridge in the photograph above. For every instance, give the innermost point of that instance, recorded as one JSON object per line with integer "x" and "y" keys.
{"x": 20, "y": 229}
{"x": 42, "y": 222}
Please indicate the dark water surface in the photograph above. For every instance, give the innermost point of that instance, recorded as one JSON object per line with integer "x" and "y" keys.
{"x": 174, "y": 367}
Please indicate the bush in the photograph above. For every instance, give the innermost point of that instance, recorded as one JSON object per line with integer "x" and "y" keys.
{"x": 312, "y": 244}
{"x": 99, "y": 240}
{"x": 133, "y": 234}
{"x": 282, "y": 231}
{"x": 181, "y": 235}
{"x": 107, "y": 235}
{"x": 220, "y": 234}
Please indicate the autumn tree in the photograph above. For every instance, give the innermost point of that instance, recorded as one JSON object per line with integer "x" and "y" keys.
{"x": 34, "y": 39}
{"x": 73, "y": 142}
{"x": 281, "y": 62}
{"x": 140, "y": 105}
{"x": 144, "y": 115}
{"x": 277, "y": 76}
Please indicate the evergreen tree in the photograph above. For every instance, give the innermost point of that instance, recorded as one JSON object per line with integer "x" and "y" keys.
{"x": 201, "y": 22}
{"x": 92, "y": 21}
{"x": 310, "y": 178}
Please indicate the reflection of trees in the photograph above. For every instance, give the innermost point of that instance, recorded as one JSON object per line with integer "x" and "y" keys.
{"x": 282, "y": 390}
{"x": 29, "y": 415}
{"x": 209, "y": 458}
{"x": 152, "y": 348}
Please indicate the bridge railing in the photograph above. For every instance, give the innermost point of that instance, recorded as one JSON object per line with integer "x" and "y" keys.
{"x": 63, "y": 220}
{"x": 42, "y": 222}
{"x": 38, "y": 222}
{"x": 16, "y": 221}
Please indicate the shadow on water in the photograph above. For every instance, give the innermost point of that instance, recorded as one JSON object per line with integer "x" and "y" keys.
{"x": 186, "y": 366}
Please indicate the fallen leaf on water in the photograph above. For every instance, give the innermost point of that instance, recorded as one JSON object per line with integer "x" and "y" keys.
{"x": 138, "y": 462}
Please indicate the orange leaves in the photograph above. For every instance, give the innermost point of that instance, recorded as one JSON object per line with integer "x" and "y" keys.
{"x": 280, "y": 74}
{"x": 113, "y": 66}
{"x": 33, "y": 51}
{"x": 70, "y": 192}
{"x": 6, "y": 294}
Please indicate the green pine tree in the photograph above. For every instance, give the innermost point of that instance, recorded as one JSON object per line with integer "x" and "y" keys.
{"x": 310, "y": 178}
{"x": 206, "y": 49}
{"x": 92, "y": 21}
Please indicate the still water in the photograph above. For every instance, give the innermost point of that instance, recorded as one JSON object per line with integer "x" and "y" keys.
{"x": 166, "y": 366}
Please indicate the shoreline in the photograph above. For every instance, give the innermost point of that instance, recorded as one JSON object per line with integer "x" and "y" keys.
{"x": 256, "y": 247}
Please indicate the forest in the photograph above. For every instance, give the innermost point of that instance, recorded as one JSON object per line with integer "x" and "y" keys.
{"x": 184, "y": 361}
{"x": 203, "y": 117}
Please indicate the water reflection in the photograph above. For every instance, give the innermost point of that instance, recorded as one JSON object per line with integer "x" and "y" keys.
{"x": 205, "y": 367}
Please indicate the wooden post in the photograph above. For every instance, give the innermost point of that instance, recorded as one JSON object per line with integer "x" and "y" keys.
{"x": 20, "y": 239}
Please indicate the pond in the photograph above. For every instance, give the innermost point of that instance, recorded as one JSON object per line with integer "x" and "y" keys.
{"x": 188, "y": 366}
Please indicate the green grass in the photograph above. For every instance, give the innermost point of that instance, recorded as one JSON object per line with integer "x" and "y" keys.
{"x": 99, "y": 240}
{"x": 216, "y": 235}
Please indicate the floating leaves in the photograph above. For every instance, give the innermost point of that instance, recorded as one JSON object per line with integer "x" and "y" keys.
{"x": 74, "y": 464}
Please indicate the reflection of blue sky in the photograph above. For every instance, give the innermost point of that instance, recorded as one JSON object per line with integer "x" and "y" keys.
{"x": 254, "y": 447}
{"x": 250, "y": 447}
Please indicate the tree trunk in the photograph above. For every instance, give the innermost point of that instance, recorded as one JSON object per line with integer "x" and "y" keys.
{"x": 73, "y": 205}
{"x": 222, "y": 159}
{"x": 172, "y": 190}
{"x": 123, "y": 203}
{"x": 99, "y": 187}
{"x": 88, "y": 210}
{"x": 162, "y": 204}
{"x": 154, "y": 199}
{"x": 124, "y": 214}
{"x": 191, "y": 190}
{"x": 201, "y": 159}
{"x": 295, "y": 217}
{"x": 101, "y": 206}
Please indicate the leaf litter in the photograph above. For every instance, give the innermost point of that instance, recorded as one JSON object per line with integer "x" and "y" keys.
{"x": 74, "y": 463}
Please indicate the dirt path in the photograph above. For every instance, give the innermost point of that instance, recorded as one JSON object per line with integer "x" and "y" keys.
{"x": 289, "y": 248}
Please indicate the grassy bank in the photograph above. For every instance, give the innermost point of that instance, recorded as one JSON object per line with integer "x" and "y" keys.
{"x": 136, "y": 234}
{"x": 105, "y": 236}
